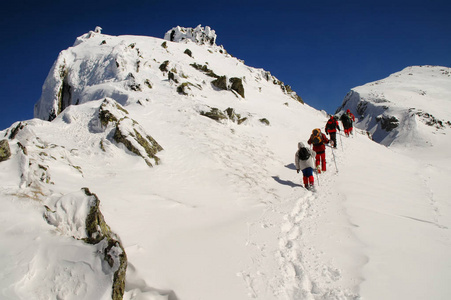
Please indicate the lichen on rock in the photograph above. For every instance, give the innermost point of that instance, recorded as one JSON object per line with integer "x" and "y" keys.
{"x": 5, "y": 151}
{"x": 111, "y": 112}
{"x": 129, "y": 133}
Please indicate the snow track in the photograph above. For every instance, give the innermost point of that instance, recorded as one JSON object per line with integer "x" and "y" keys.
{"x": 317, "y": 263}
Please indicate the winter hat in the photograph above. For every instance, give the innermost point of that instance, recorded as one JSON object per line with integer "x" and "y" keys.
{"x": 301, "y": 145}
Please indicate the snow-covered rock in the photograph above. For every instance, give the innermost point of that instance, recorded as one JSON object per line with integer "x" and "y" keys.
{"x": 199, "y": 35}
{"x": 405, "y": 107}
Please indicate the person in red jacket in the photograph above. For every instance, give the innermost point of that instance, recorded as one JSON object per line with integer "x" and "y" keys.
{"x": 319, "y": 141}
{"x": 352, "y": 118}
{"x": 331, "y": 129}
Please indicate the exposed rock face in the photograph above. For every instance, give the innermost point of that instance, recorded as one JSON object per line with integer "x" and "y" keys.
{"x": 228, "y": 114}
{"x": 128, "y": 132}
{"x": 236, "y": 84}
{"x": 5, "y": 151}
{"x": 135, "y": 139}
{"x": 198, "y": 35}
{"x": 78, "y": 215}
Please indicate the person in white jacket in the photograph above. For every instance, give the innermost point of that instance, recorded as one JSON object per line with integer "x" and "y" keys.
{"x": 304, "y": 160}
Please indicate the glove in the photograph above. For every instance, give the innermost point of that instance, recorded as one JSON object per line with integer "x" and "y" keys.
{"x": 297, "y": 171}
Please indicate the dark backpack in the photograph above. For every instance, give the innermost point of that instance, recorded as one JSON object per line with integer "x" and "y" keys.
{"x": 303, "y": 153}
{"x": 345, "y": 120}
{"x": 316, "y": 137}
{"x": 331, "y": 124}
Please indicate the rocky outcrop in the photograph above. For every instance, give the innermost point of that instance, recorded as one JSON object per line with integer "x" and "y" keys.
{"x": 199, "y": 35}
{"x": 228, "y": 114}
{"x": 78, "y": 215}
{"x": 128, "y": 132}
{"x": 234, "y": 84}
{"x": 5, "y": 151}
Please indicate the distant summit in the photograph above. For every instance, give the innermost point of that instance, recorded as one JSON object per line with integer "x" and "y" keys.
{"x": 404, "y": 108}
{"x": 198, "y": 35}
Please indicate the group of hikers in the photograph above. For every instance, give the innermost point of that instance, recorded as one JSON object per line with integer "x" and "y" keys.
{"x": 307, "y": 160}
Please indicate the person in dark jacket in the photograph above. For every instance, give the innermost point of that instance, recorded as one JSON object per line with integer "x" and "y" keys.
{"x": 319, "y": 141}
{"x": 347, "y": 119}
{"x": 305, "y": 164}
{"x": 331, "y": 129}
{"x": 347, "y": 123}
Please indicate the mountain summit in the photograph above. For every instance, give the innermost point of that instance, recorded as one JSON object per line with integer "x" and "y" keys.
{"x": 132, "y": 69}
{"x": 198, "y": 35}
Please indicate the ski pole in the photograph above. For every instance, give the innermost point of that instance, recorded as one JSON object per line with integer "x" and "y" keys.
{"x": 317, "y": 177}
{"x": 341, "y": 143}
{"x": 335, "y": 161}
{"x": 333, "y": 154}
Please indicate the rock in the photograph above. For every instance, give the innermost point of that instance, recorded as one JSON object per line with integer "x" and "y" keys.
{"x": 220, "y": 83}
{"x": 5, "y": 151}
{"x": 237, "y": 85}
{"x": 67, "y": 214}
{"x": 129, "y": 133}
{"x": 198, "y": 35}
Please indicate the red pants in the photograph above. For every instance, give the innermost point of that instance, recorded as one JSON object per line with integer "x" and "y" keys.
{"x": 308, "y": 180}
{"x": 321, "y": 160}
{"x": 348, "y": 131}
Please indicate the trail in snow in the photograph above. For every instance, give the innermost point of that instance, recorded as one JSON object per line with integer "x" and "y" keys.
{"x": 316, "y": 266}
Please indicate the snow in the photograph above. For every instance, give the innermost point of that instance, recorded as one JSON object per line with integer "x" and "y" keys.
{"x": 224, "y": 215}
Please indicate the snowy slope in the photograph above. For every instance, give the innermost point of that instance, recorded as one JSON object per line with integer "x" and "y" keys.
{"x": 221, "y": 214}
{"x": 410, "y": 105}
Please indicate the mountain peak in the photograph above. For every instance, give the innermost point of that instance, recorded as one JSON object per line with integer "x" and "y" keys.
{"x": 199, "y": 35}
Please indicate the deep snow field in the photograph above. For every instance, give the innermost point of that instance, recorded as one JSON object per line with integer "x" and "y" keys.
{"x": 224, "y": 215}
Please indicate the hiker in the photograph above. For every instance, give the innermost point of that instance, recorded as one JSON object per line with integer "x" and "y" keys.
{"x": 331, "y": 129}
{"x": 319, "y": 141}
{"x": 304, "y": 162}
{"x": 352, "y": 118}
{"x": 347, "y": 123}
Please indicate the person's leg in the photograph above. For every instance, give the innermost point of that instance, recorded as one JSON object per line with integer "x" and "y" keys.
{"x": 323, "y": 161}
{"x": 318, "y": 162}
{"x": 308, "y": 177}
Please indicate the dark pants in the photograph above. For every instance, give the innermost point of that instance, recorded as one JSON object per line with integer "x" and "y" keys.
{"x": 333, "y": 137}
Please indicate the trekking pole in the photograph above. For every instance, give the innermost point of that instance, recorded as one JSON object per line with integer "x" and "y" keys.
{"x": 317, "y": 177}
{"x": 335, "y": 162}
{"x": 341, "y": 143}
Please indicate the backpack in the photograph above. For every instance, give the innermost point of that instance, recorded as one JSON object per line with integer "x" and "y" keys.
{"x": 303, "y": 153}
{"x": 316, "y": 137}
{"x": 331, "y": 124}
{"x": 345, "y": 119}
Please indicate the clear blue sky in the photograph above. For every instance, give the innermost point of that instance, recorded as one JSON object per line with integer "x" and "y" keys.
{"x": 321, "y": 48}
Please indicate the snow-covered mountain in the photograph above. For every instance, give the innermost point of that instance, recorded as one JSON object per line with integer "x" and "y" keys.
{"x": 405, "y": 107}
{"x": 167, "y": 172}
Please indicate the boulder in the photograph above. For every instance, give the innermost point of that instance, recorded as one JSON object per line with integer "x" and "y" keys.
{"x": 5, "y": 151}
